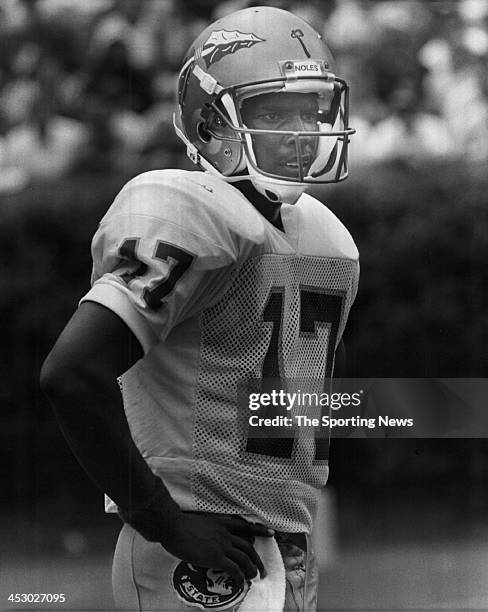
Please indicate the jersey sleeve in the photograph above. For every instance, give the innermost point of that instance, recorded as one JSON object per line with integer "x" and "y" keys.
{"x": 158, "y": 258}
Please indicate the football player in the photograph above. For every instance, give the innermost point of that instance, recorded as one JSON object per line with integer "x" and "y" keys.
{"x": 207, "y": 287}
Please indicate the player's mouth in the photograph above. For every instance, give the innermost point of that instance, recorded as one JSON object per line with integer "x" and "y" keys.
{"x": 293, "y": 162}
{"x": 292, "y": 165}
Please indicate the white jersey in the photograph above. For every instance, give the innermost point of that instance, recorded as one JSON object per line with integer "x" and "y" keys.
{"x": 224, "y": 304}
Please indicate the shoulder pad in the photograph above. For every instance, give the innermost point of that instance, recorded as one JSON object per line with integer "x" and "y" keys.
{"x": 196, "y": 201}
{"x": 321, "y": 232}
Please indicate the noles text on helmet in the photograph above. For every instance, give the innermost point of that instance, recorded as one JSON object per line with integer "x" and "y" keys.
{"x": 258, "y": 98}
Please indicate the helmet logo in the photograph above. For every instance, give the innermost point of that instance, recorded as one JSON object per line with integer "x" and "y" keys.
{"x": 223, "y": 42}
{"x": 298, "y": 34}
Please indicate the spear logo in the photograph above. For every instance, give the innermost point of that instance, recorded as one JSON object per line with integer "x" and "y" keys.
{"x": 223, "y": 42}
{"x": 298, "y": 34}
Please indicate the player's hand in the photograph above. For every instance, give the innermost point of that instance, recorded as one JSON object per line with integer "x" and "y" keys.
{"x": 224, "y": 543}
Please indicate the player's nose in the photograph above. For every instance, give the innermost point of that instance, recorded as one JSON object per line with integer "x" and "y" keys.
{"x": 297, "y": 124}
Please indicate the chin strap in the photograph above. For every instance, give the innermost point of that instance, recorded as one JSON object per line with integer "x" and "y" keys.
{"x": 275, "y": 190}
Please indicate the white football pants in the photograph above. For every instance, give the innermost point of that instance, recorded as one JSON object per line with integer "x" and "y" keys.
{"x": 146, "y": 577}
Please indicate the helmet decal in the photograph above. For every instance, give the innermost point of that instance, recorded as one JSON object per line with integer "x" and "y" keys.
{"x": 222, "y": 43}
{"x": 298, "y": 34}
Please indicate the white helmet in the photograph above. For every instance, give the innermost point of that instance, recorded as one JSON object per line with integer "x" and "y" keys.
{"x": 257, "y": 51}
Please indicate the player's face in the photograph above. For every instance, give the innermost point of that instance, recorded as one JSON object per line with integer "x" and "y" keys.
{"x": 277, "y": 154}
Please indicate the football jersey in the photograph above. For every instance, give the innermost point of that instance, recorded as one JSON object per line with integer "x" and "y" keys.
{"x": 224, "y": 304}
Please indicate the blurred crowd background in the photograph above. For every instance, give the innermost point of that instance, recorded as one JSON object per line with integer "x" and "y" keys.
{"x": 418, "y": 71}
{"x": 87, "y": 91}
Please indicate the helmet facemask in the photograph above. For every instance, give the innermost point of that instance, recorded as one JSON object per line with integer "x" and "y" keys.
{"x": 319, "y": 154}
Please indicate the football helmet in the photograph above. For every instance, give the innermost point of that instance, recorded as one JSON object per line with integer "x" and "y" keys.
{"x": 255, "y": 51}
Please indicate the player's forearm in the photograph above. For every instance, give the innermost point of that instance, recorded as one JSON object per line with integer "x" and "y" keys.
{"x": 92, "y": 419}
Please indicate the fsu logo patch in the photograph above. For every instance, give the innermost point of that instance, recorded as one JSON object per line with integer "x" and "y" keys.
{"x": 206, "y": 588}
{"x": 223, "y": 42}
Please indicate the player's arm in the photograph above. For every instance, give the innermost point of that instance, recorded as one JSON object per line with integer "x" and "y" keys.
{"x": 80, "y": 378}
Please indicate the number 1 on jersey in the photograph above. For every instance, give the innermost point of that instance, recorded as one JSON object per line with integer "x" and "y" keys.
{"x": 316, "y": 307}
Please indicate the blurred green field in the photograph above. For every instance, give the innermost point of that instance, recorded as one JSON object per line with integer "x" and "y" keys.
{"x": 85, "y": 581}
{"x": 417, "y": 576}
{"x": 40, "y": 559}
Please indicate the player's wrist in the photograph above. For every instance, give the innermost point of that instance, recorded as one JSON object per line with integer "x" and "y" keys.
{"x": 155, "y": 518}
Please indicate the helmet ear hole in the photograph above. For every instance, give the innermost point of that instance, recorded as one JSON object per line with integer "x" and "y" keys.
{"x": 203, "y": 133}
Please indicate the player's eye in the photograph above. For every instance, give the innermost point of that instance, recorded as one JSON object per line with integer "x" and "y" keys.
{"x": 310, "y": 116}
{"x": 272, "y": 116}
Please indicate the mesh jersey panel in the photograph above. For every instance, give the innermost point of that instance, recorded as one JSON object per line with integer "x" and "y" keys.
{"x": 281, "y": 317}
